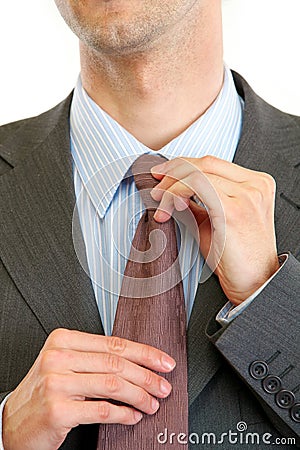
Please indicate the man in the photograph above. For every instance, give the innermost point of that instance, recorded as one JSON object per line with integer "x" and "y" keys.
{"x": 152, "y": 77}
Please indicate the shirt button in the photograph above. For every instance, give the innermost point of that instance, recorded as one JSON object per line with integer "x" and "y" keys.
{"x": 258, "y": 370}
{"x": 271, "y": 384}
{"x": 285, "y": 399}
{"x": 295, "y": 412}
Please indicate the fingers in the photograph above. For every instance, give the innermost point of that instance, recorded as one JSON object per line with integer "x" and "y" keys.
{"x": 209, "y": 189}
{"x": 71, "y": 361}
{"x": 141, "y": 354}
{"x": 88, "y": 412}
{"x": 103, "y": 386}
{"x": 177, "y": 169}
{"x": 54, "y": 393}
{"x": 176, "y": 197}
{"x": 113, "y": 372}
{"x": 213, "y": 181}
{"x": 208, "y": 164}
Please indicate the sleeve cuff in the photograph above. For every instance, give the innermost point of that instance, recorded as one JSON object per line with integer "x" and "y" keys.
{"x": 230, "y": 312}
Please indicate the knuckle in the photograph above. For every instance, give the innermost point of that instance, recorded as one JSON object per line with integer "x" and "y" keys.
{"x": 57, "y": 336}
{"x": 116, "y": 344}
{"x": 103, "y": 410}
{"x": 270, "y": 181}
{"x": 173, "y": 190}
{"x": 258, "y": 196}
{"x": 173, "y": 164}
{"x": 168, "y": 197}
{"x": 146, "y": 355}
{"x": 148, "y": 378}
{"x": 142, "y": 399}
{"x": 172, "y": 173}
{"x": 48, "y": 358}
{"x": 112, "y": 384}
{"x": 208, "y": 161}
{"x": 170, "y": 170}
{"x": 54, "y": 414}
{"x": 114, "y": 363}
{"x": 50, "y": 383}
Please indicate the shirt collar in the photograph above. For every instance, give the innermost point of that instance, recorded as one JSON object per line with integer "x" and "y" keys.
{"x": 103, "y": 150}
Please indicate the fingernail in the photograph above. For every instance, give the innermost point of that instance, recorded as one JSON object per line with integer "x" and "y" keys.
{"x": 168, "y": 363}
{"x": 137, "y": 416}
{"x": 165, "y": 387}
{"x": 154, "y": 404}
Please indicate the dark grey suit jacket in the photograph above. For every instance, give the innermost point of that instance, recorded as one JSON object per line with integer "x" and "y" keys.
{"x": 43, "y": 287}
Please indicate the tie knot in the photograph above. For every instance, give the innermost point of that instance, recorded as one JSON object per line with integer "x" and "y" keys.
{"x": 144, "y": 181}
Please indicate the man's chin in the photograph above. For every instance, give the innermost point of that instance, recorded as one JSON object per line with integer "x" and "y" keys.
{"x": 121, "y": 26}
{"x": 123, "y": 45}
{"x": 111, "y": 6}
{"x": 118, "y": 35}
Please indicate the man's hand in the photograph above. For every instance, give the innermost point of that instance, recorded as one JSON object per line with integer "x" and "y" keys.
{"x": 72, "y": 370}
{"x": 236, "y": 227}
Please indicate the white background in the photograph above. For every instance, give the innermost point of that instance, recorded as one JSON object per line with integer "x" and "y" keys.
{"x": 40, "y": 63}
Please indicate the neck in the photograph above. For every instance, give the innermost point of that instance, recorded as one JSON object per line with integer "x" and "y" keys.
{"x": 157, "y": 93}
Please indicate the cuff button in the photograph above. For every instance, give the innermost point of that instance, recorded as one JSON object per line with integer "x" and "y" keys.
{"x": 295, "y": 412}
{"x": 258, "y": 370}
{"x": 285, "y": 399}
{"x": 271, "y": 384}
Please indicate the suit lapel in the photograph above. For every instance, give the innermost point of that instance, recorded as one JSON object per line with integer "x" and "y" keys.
{"x": 263, "y": 146}
{"x": 37, "y": 202}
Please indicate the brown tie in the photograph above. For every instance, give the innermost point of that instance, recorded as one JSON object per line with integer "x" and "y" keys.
{"x": 151, "y": 310}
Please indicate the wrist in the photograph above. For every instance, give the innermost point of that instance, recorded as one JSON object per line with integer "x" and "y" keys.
{"x": 238, "y": 294}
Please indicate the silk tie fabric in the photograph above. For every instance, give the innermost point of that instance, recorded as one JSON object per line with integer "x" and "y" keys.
{"x": 151, "y": 310}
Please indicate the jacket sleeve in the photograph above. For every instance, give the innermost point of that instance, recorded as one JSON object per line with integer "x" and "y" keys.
{"x": 263, "y": 345}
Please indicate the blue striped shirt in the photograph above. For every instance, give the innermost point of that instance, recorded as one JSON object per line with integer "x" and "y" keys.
{"x": 109, "y": 205}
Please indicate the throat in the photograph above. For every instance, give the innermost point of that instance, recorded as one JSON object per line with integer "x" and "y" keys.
{"x": 157, "y": 109}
